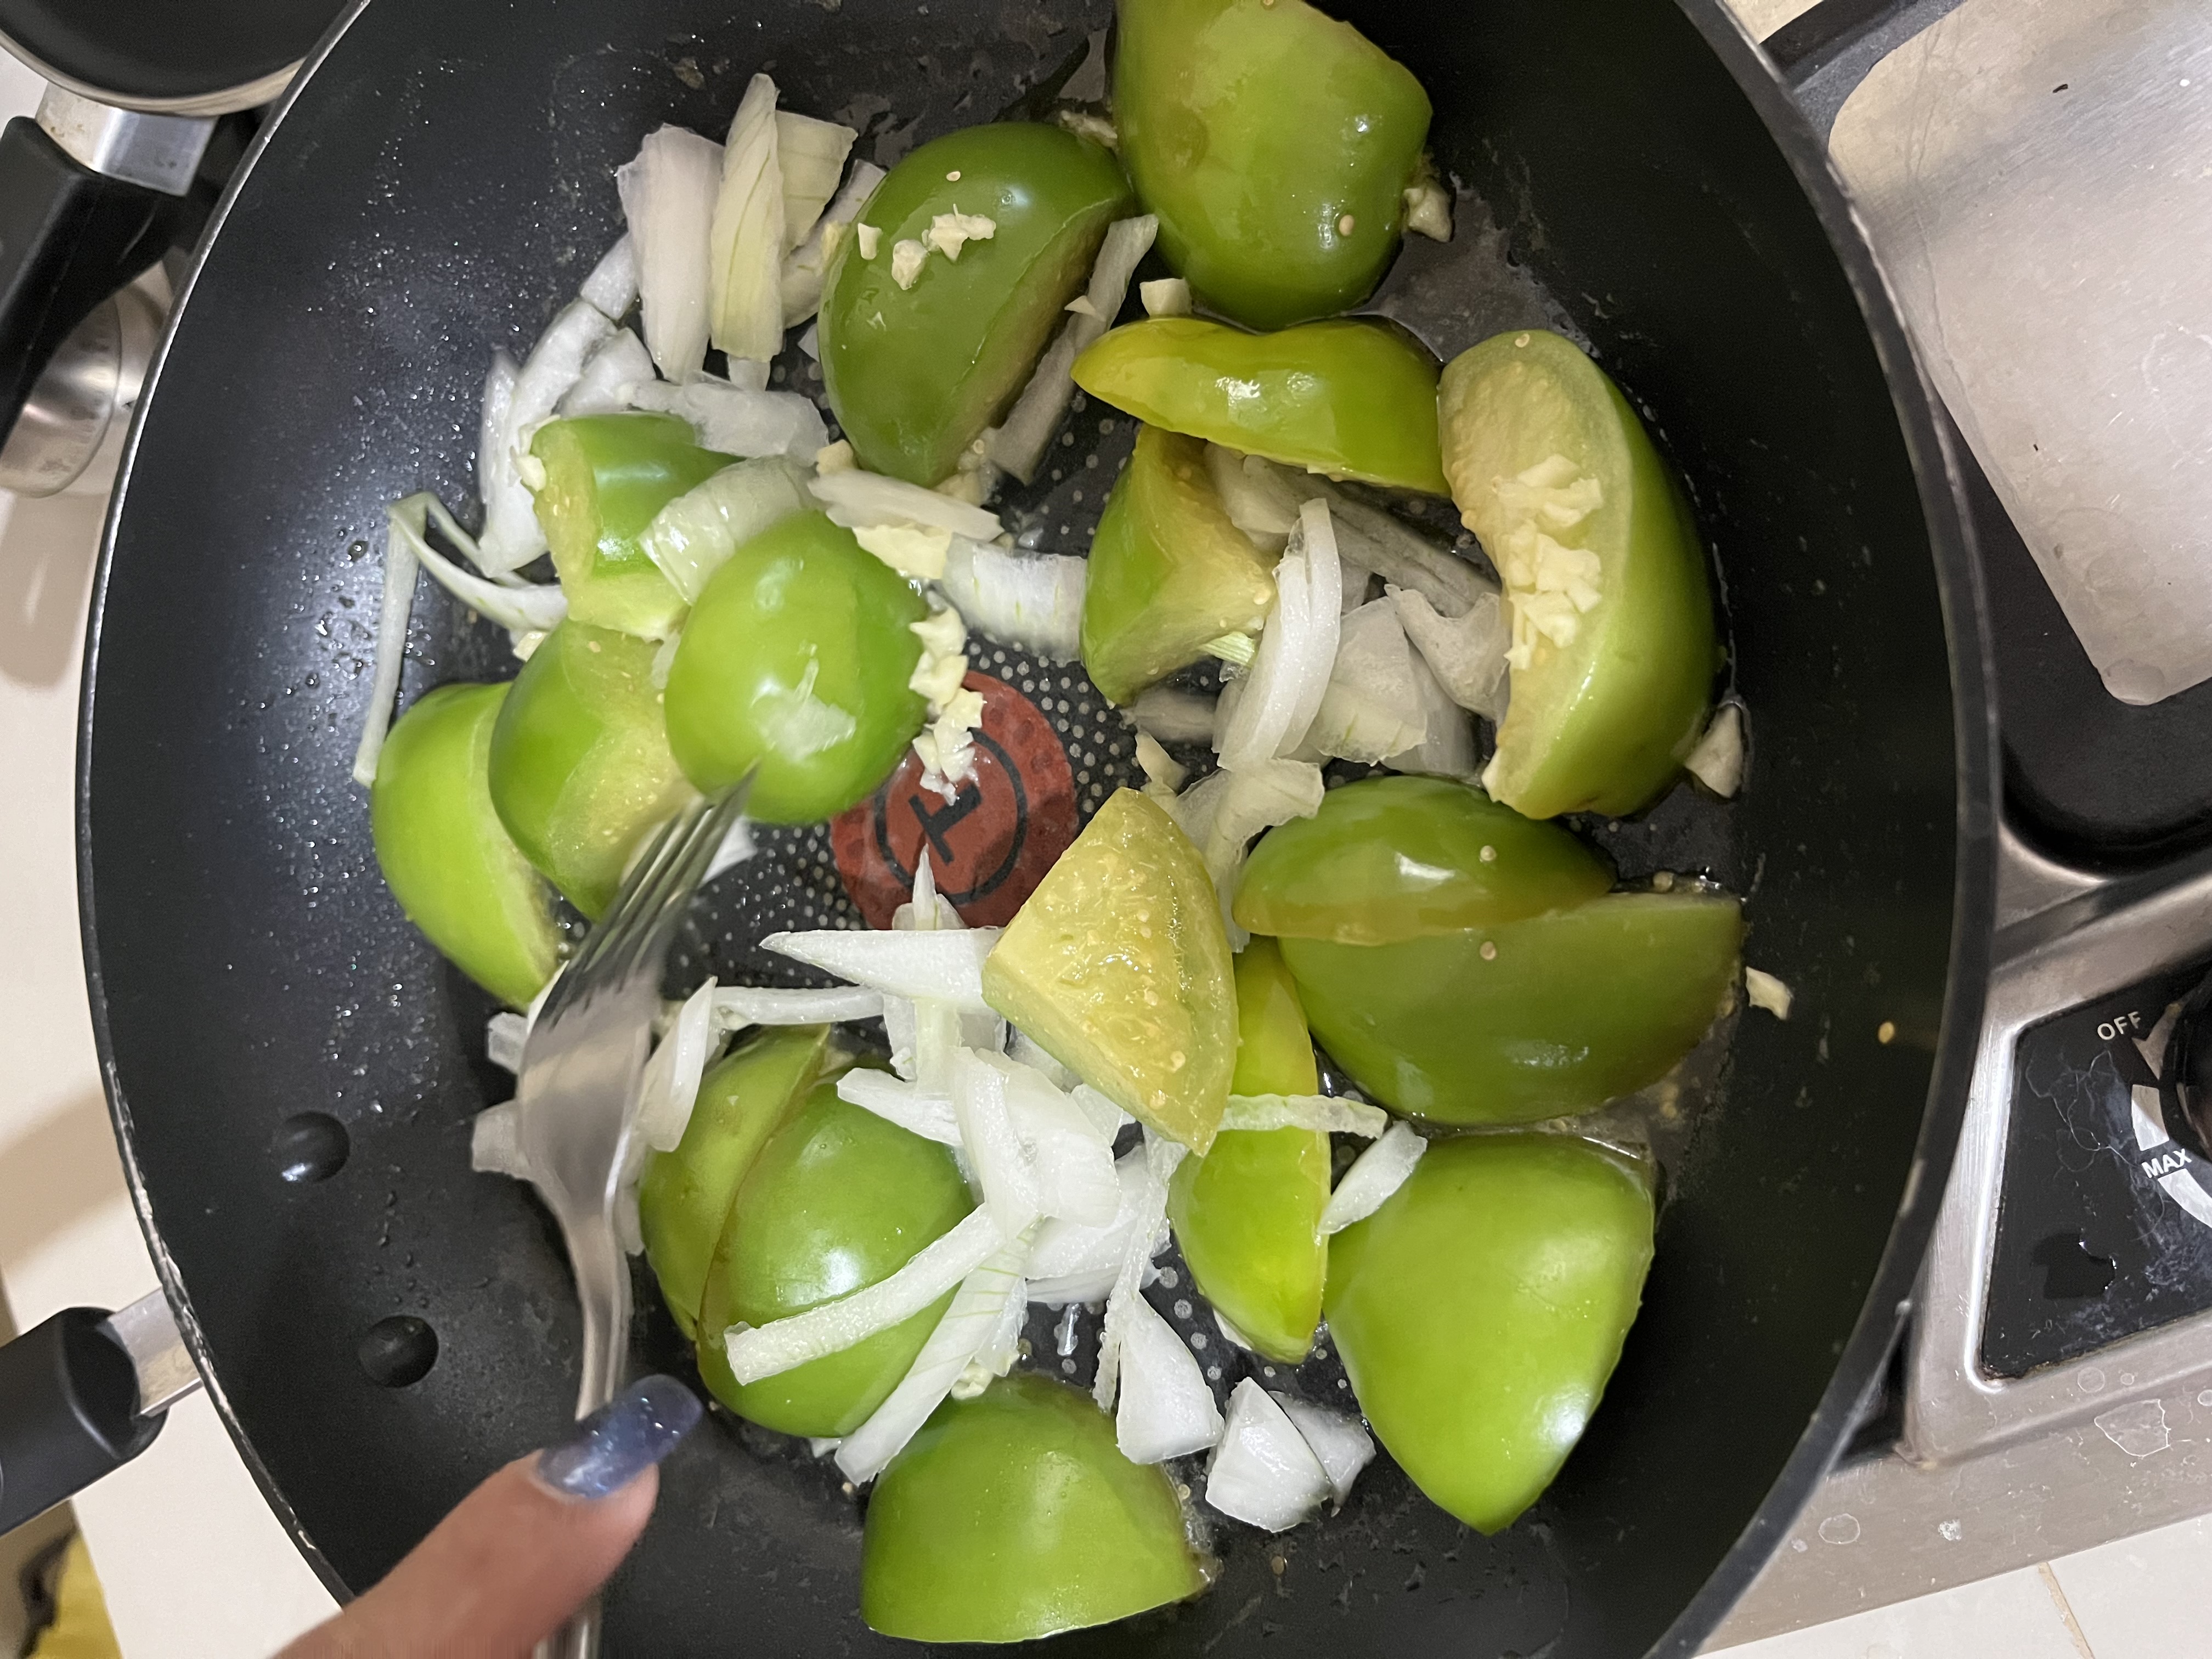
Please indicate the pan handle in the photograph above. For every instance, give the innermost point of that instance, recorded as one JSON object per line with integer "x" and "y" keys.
{"x": 1825, "y": 53}
{"x": 89, "y": 197}
{"x": 80, "y": 1396}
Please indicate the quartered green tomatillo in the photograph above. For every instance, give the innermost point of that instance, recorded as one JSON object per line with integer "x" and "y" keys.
{"x": 835, "y": 1199}
{"x": 955, "y": 278}
{"x": 581, "y": 770}
{"x": 684, "y": 1196}
{"x": 796, "y": 660}
{"x": 1519, "y": 1021}
{"x": 1248, "y": 1214}
{"x": 1614, "y": 652}
{"x": 1391, "y": 859}
{"x": 1169, "y": 575}
{"x": 1275, "y": 143}
{"x": 606, "y": 475}
{"x": 1013, "y": 1516}
{"x": 1353, "y": 398}
{"x": 1480, "y": 1310}
{"x": 446, "y": 857}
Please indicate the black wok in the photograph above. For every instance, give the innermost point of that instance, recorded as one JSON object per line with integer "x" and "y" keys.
{"x": 293, "y": 1070}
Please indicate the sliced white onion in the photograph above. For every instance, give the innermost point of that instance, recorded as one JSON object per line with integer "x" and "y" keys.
{"x": 907, "y": 1104}
{"x": 858, "y": 498}
{"x": 1003, "y": 1346}
{"x": 1332, "y": 1113}
{"x": 620, "y": 363}
{"x": 1019, "y": 446}
{"x": 693, "y": 536}
{"x": 1395, "y": 551}
{"x": 1107, "y": 1119}
{"x": 1717, "y": 761}
{"x": 810, "y": 157}
{"x": 1263, "y": 1471}
{"x": 512, "y": 536}
{"x": 1374, "y": 1176}
{"x": 1174, "y": 716}
{"x": 524, "y": 608}
{"x": 1339, "y": 1443}
{"x": 494, "y": 458}
{"x": 668, "y": 195}
{"x": 503, "y": 1039}
{"x": 495, "y": 1143}
{"x": 756, "y": 1352}
{"x": 1257, "y": 495}
{"x": 736, "y": 1007}
{"x": 671, "y": 1087}
{"x": 947, "y": 965}
{"x": 970, "y": 1324}
{"x": 1161, "y": 1158}
{"x": 1072, "y": 1262}
{"x": 807, "y": 268}
{"x": 612, "y": 287}
{"x": 1448, "y": 749}
{"x": 1280, "y": 697}
{"x": 1003, "y": 1169}
{"x": 1763, "y": 990}
{"x": 1166, "y": 1410}
{"x": 1467, "y": 654}
{"x": 1072, "y": 1164}
{"x": 745, "y": 241}
{"x": 1031, "y": 600}
{"x": 393, "y": 611}
{"x": 1223, "y": 811}
{"x": 734, "y": 420}
{"x": 1026, "y": 1049}
{"x": 1372, "y": 708}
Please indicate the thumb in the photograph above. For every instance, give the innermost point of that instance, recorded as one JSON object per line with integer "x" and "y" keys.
{"x": 523, "y": 1549}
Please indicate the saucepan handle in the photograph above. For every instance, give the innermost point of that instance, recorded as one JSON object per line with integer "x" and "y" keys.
{"x": 80, "y": 1396}
{"x": 1825, "y": 53}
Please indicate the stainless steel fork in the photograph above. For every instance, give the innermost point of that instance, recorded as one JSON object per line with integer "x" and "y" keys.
{"x": 577, "y": 1097}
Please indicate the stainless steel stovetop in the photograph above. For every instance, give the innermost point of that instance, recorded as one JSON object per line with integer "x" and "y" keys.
{"x": 2038, "y": 176}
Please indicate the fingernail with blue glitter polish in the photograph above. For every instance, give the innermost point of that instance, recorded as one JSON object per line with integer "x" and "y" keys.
{"x": 621, "y": 1440}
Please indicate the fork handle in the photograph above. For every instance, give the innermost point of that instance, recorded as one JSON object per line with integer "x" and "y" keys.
{"x": 602, "y": 1272}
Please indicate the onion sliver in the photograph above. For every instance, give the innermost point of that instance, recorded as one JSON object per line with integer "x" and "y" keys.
{"x": 693, "y": 536}
{"x": 756, "y": 1352}
{"x": 1337, "y": 1442}
{"x": 1331, "y": 1113}
{"x": 1019, "y": 444}
{"x": 668, "y": 194}
{"x": 1166, "y": 1409}
{"x": 861, "y": 499}
{"x": 1161, "y": 1158}
{"x": 392, "y": 618}
{"x": 525, "y": 608}
{"x": 745, "y": 238}
{"x": 1372, "y": 707}
{"x": 495, "y": 1143}
{"x": 1003, "y": 1169}
{"x": 810, "y": 158}
{"x": 1031, "y": 600}
{"x": 620, "y": 363}
{"x": 807, "y": 266}
{"x": 944, "y": 965}
{"x": 671, "y": 1086}
{"x": 512, "y": 536}
{"x": 1465, "y": 652}
{"x": 504, "y": 1036}
{"x": 1263, "y": 1471}
{"x": 736, "y": 1007}
{"x": 907, "y": 1104}
{"x": 971, "y": 1323}
{"x": 737, "y": 420}
{"x": 1279, "y": 699}
{"x": 612, "y": 286}
{"x": 1374, "y": 1176}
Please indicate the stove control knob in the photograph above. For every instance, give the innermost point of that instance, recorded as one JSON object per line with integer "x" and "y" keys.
{"x": 2185, "y": 1072}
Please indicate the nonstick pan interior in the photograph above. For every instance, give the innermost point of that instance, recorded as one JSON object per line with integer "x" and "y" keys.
{"x": 294, "y": 1070}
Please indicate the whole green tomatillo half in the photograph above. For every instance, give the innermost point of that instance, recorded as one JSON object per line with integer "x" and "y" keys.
{"x": 606, "y": 475}
{"x": 1525, "y": 1020}
{"x": 1480, "y": 1310}
{"x": 1275, "y": 143}
{"x": 580, "y": 771}
{"x": 1246, "y": 1214}
{"x": 836, "y": 1199}
{"x": 445, "y": 855}
{"x": 795, "y": 660}
{"x": 683, "y": 1196}
{"x": 1014, "y": 1515}
{"x": 922, "y": 349}
{"x": 1391, "y": 859}
{"x": 1353, "y": 398}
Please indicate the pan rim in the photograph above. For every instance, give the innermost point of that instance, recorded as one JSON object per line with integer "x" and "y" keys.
{"x": 1930, "y": 448}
